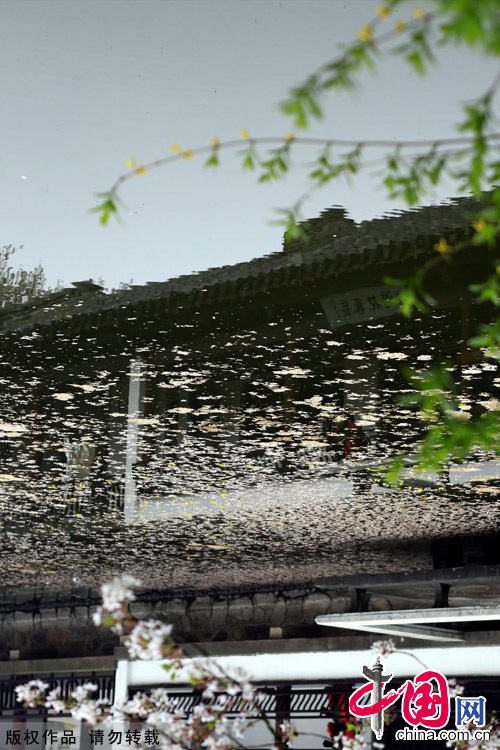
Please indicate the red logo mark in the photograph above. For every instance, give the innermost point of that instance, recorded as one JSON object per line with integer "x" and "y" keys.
{"x": 421, "y": 704}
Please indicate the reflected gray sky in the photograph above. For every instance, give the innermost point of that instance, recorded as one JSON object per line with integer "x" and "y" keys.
{"x": 86, "y": 85}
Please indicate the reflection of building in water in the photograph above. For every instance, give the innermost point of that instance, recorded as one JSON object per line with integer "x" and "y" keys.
{"x": 227, "y": 378}
{"x": 278, "y": 379}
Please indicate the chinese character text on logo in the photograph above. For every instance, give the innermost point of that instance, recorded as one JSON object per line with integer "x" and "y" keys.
{"x": 426, "y": 700}
{"x": 470, "y": 709}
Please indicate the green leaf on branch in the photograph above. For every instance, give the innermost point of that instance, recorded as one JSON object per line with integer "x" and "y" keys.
{"x": 393, "y": 474}
{"x": 417, "y": 51}
{"x": 488, "y": 339}
{"x": 277, "y": 165}
{"x": 473, "y": 23}
{"x": 292, "y": 227}
{"x": 341, "y": 73}
{"x": 477, "y": 120}
{"x": 303, "y": 103}
{"x": 434, "y": 392}
{"x": 249, "y": 157}
{"x": 412, "y": 295}
{"x": 455, "y": 438}
{"x": 487, "y": 225}
{"x": 326, "y": 170}
{"x": 489, "y": 290}
{"x": 410, "y": 179}
{"x": 452, "y": 434}
{"x": 107, "y": 208}
{"x": 213, "y": 159}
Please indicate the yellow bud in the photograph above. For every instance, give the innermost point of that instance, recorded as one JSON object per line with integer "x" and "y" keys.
{"x": 175, "y": 148}
{"x": 365, "y": 34}
{"x": 290, "y": 137}
{"x": 400, "y": 25}
{"x": 187, "y": 154}
{"x": 141, "y": 170}
{"x": 383, "y": 11}
{"x": 244, "y": 133}
{"x": 131, "y": 163}
{"x": 479, "y": 225}
{"x": 418, "y": 13}
{"x": 215, "y": 142}
{"x": 442, "y": 246}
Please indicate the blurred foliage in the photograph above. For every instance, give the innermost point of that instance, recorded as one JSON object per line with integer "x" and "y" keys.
{"x": 18, "y": 285}
{"x": 452, "y": 434}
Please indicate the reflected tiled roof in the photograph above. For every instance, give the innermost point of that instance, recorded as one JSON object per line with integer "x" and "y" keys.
{"x": 393, "y": 238}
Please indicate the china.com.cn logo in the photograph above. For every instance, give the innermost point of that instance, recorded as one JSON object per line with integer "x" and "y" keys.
{"x": 425, "y": 701}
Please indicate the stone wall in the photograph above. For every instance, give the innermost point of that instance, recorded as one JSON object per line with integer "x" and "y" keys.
{"x": 46, "y": 623}
{"x": 40, "y": 623}
{"x": 249, "y": 616}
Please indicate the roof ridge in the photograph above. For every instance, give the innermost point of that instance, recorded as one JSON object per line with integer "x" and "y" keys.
{"x": 364, "y": 239}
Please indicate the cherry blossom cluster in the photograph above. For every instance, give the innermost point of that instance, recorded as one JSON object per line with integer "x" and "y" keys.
{"x": 383, "y": 648}
{"x": 455, "y": 688}
{"x": 147, "y": 640}
{"x": 113, "y": 611}
{"x": 208, "y": 725}
{"x": 345, "y": 742}
{"x": 288, "y": 733}
{"x": 30, "y": 693}
{"x": 80, "y": 705}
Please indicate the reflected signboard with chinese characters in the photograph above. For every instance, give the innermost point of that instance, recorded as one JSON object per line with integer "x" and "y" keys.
{"x": 357, "y": 305}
